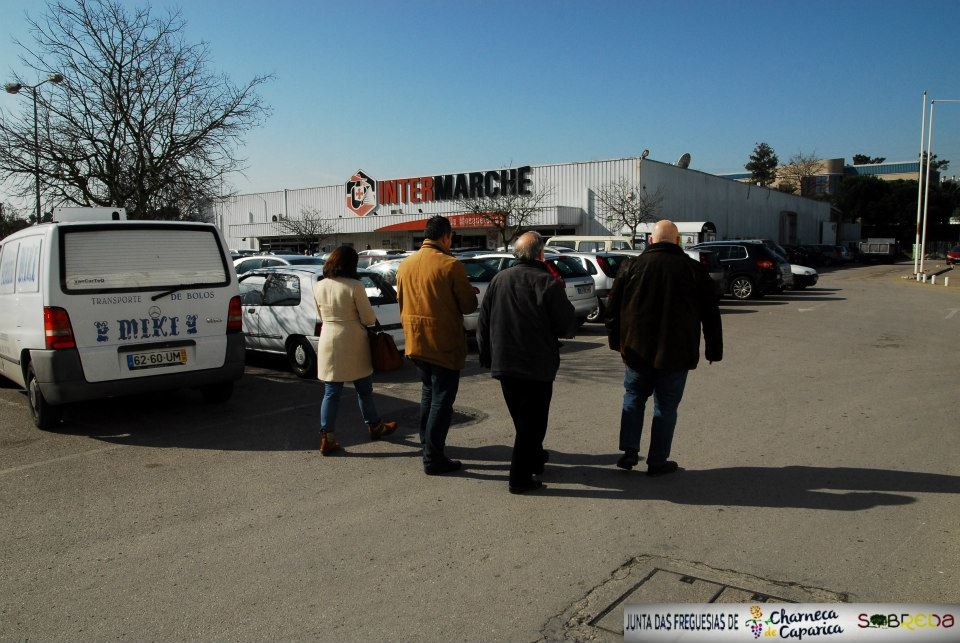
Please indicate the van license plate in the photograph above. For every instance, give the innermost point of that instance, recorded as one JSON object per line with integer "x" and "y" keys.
{"x": 583, "y": 290}
{"x": 156, "y": 359}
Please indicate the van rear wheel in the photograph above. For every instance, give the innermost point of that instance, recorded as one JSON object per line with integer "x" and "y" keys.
{"x": 302, "y": 359}
{"x": 45, "y": 415}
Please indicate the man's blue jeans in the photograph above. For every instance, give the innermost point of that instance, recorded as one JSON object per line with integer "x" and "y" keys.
{"x": 438, "y": 391}
{"x": 331, "y": 402}
{"x": 667, "y": 390}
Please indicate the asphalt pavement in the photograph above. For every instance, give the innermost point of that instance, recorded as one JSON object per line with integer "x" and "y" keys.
{"x": 820, "y": 463}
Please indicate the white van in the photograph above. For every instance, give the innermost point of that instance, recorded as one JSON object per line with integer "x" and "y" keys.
{"x": 581, "y": 243}
{"x": 90, "y": 310}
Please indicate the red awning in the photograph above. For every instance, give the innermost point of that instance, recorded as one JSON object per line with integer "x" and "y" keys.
{"x": 458, "y": 221}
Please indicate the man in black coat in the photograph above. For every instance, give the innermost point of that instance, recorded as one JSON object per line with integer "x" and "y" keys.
{"x": 658, "y": 304}
{"x": 524, "y": 311}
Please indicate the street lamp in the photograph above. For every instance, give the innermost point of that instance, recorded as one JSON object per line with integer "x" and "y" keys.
{"x": 926, "y": 195}
{"x": 14, "y": 88}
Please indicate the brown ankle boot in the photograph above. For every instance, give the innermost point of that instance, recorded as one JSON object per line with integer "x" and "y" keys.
{"x": 381, "y": 428}
{"x": 328, "y": 443}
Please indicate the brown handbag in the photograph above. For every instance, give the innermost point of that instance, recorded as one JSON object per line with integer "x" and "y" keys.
{"x": 384, "y": 353}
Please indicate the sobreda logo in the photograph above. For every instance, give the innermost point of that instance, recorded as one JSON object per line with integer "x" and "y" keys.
{"x": 361, "y": 194}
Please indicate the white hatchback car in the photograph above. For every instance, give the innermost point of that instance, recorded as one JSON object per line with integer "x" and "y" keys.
{"x": 280, "y": 313}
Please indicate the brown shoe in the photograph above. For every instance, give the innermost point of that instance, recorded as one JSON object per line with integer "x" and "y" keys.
{"x": 381, "y": 428}
{"x": 328, "y": 443}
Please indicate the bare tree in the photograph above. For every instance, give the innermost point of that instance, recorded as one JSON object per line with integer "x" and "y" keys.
{"x": 11, "y": 220}
{"x": 309, "y": 227}
{"x": 509, "y": 213}
{"x": 800, "y": 167}
{"x": 625, "y": 205}
{"x": 139, "y": 122}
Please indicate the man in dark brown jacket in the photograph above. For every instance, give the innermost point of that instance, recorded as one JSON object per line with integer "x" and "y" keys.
{"x": 434, "y": 294}
{"x": 659, "y": 302}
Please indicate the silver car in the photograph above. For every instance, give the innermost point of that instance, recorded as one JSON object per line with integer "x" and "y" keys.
{"x": 280, "y": 313}
{"x": 253, "y": 262}
{"x": 603, "y": 268}
{"x": 578, "y": 284}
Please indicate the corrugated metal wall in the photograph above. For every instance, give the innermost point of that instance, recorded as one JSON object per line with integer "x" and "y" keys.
{"x": 739, "y": 210}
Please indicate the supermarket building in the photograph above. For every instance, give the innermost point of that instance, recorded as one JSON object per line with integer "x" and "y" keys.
{"x": 388, "y": 212}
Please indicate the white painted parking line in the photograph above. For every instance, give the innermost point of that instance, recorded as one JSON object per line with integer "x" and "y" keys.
{"x": 807, "y": 310}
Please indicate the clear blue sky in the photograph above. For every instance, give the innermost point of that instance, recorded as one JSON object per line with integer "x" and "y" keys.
{"x": 420, "y": 87}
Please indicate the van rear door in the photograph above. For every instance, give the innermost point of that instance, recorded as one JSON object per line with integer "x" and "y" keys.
{"x": 145, "y": 298}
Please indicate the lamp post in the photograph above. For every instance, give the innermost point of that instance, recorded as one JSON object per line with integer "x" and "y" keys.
{"x": 926, "y": 195}
{"x": 14, "y": 88}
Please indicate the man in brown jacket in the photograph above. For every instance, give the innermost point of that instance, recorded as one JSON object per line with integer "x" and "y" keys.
{"x": 434, "y": 295}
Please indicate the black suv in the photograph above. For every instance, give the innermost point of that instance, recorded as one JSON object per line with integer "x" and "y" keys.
{"x": 750, "y": 268}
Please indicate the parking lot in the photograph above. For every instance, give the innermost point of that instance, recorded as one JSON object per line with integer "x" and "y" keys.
{"x": 820, "y": 460}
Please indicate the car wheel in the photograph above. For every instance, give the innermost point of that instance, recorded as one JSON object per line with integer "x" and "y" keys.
{"x": 217, "y": 393}
{"x": 45, "y": 415}
{"x": 596, "y": 315}
{"x": 302, "y": 359}
{"x": 742, "y": 288}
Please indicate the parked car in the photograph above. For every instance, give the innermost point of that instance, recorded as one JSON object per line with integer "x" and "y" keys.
{"x": 751, "y": 269}
{"x": 712, "y": 263}
{"x": 803, "y": 277}
{"x": 603, "y": 268}
{"x": 479, "y": 272}
{"x": 369, "y": 258}
{"x": 246, "y": 264}
{"x": 578, "y": 284}
{"x": 953, "y": 255}
{"x": 387, "y": 269}
{"x": 827, "y": 254}
{"x": 280, "y": 313}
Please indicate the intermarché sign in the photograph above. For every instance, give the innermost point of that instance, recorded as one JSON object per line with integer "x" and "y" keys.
{"x": 365, "y": 194}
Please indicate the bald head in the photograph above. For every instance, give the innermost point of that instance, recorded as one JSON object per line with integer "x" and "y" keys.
{"x": 665, "y": 230}
{"x": 529, "y": 246}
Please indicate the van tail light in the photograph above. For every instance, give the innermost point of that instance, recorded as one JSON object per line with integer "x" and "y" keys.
{"x": 476, "y": 291}
{"x": 556, "y": 273}
{"x": 57, "y": 331}
{"x": 764, "y": 264}
{"x": 317, "y": 327}
{"x": 234, "y": 316}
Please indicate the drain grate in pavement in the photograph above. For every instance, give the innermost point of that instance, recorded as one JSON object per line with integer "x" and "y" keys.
{"x": 652, "y": 579}
{"x": 462, "y": 416}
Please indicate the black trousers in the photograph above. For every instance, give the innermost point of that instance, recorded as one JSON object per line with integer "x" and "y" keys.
{"x": 529, "y": 404}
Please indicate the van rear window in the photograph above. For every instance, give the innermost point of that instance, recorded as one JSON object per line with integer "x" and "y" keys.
{"x": 139, "y": 259}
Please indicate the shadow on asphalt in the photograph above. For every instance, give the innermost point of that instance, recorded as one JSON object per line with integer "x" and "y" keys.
{"x": 802, "y": 487}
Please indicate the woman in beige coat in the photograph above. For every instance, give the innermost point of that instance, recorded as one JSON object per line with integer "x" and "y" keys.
{"x": 343, "y": 354}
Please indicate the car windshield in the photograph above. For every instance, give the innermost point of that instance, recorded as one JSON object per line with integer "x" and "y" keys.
{"x": 480, "y": 269}
{"x": 305, "y": 260}
{"x": 568, "y": 267}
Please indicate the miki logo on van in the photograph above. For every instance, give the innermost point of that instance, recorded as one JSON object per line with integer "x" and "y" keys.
{"x": 145, "y": 328}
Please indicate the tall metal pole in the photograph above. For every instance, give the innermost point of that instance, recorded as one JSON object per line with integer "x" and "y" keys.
{"x": 926, "y": 195}
{"x": 916, "y": 243}
{"x": 14, "y": 88}
{"x": 926, "y": 188}
{"x": 36, "y": 149}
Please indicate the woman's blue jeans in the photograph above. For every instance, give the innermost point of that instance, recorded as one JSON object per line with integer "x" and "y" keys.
{"x": 667, "y": 390}
{"x": 331, "y": 402}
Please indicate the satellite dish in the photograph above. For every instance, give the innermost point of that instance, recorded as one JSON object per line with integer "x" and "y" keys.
{"x": 645, "y": 154}
{"x": 684, "y": 161}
